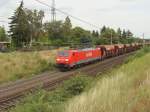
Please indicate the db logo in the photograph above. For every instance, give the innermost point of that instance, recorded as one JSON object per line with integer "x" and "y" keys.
{"x": 89, "y": 54}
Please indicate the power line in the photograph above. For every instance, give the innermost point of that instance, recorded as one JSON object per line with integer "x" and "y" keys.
{"x": 143, "y": 39}
{"x": 65, "y": 13}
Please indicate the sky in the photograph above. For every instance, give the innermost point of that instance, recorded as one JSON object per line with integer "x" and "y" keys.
{"x": 126, "y": 14}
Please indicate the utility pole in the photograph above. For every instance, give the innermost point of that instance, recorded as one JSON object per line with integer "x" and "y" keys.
{"x": 53, "y": 11}
{"x": 119, "y": 37}
{"x": 111, "y": 38}
{"x": 143, "y": 39}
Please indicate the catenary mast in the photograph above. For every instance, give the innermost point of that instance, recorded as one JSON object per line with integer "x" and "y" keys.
{"x": 53, "y": 11}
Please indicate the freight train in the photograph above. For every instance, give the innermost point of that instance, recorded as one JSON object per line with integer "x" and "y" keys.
{"x": 68, "y": 59}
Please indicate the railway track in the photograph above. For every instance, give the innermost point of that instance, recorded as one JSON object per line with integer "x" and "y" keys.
{"x": 12, "y": 93}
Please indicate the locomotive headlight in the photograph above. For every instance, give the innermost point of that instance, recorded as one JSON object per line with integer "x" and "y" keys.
{"x": 58, "y": 59}
{"x": 67, "y": 60}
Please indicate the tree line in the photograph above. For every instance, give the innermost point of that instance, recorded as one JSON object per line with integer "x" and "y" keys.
{"x": 3, "y": 35}
{"x": 27, "y": 28}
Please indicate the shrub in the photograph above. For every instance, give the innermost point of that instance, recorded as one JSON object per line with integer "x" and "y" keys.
{"x": 76, "y": 85}
{"x": 70, "y": 88}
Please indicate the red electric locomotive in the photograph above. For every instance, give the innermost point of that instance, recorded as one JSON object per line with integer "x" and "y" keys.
{"x": 72, "y": 58}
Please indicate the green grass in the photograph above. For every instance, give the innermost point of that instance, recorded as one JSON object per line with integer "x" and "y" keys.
{"x": 17, "y": 65}
{"x": 124, "y": 90}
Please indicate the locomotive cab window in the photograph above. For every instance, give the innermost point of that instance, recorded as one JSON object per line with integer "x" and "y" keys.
{"x": 63, "y": 53}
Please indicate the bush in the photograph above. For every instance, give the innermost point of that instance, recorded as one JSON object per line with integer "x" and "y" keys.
{"x": 101, "y": 41}
{"x": 70, "y": 88}
{"x": 76, "y": 85}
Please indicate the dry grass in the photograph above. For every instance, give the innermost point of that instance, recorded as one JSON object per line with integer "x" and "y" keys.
{"x": 125, "y": 90}
{"x": 18, "y": 65}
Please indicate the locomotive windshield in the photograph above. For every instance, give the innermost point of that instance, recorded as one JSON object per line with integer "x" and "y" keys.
{"x": 63, "y": 53}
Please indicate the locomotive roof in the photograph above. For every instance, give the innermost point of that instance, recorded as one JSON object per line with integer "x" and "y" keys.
{"x": 79, "y": 50}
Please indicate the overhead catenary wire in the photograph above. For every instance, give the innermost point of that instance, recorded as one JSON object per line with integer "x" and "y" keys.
{"x": 65, "y": 13}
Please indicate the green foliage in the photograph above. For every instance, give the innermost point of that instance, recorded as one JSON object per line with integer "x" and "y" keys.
{"x": 95, "y": 34}
{"x": 43, "y": 101}
{"x": 3, "y": 36}
{"x": 119, "y": 36}
{"x": 76, "y": 85}
{"x": 27, "y": 27}
{"x": 54, "y": 29}
{"x": 126, "y": 37}
{"x": 70, "y": 88}
{"x": 67, "y": 29}
{"x": 55, "y": 32}
{"x": 79, "y": 34}
{"x": 61, "y": 33}
{"x": 101, "y": 41}
{"x": 108, "y": 33}
{"x": 19, "y": 27}
{"x": 35, "y": 19}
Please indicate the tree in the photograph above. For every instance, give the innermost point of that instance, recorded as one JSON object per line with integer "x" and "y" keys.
{"x": 103, "y": 29}
{"x": 3, "y": 36}
{"x": 108, "y": 33}
{"x": 35, "y": 19}
{"x": 124, "y": 35}
{"x": 129, "y": 34}
{"x": 19, "y": 27}
{"x": 95, "y": 34}
{"x": 67, "y": 28}
{"x": 55, "y": 31}
{"x": 119, "y": 33}
{"x": 79, "y": 34}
